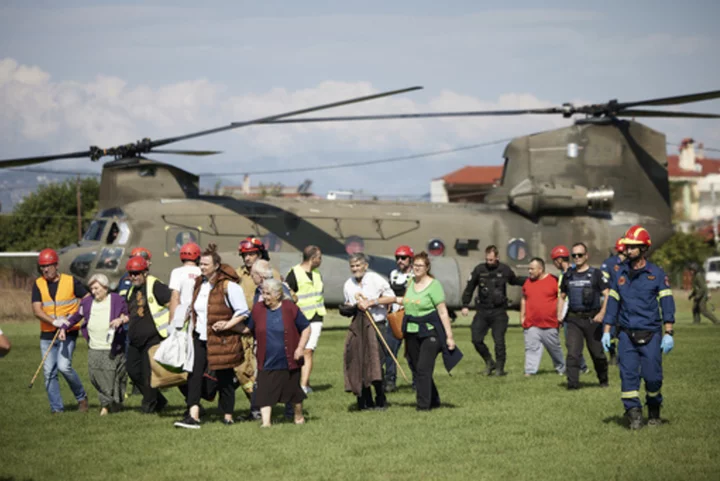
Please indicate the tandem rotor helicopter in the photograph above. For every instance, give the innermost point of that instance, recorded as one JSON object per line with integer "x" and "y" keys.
{"x": 587, "y": 182}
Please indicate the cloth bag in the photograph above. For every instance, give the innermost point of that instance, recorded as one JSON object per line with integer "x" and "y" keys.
{"x": 395, "y": 319}
{"x": 161, "y": 377}
{"x": 172, "y": 351}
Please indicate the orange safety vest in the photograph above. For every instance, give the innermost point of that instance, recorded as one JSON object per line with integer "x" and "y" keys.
{"x": 65, "y": 303}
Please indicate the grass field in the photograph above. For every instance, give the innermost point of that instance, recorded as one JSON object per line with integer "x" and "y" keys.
{"x": 489, "y": 428}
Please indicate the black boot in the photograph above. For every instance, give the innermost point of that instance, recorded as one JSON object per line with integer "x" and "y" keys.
{"x": 380, "y": 400}
{"x": 654, "y": 416}
{"x": 613, "y": 355}
{"x": 489, "y": 366}
{"x": 635, "y": 418}
{"x": 500, "y": 370}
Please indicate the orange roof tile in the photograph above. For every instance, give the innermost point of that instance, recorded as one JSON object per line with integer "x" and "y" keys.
{"x": 475, "y": 175}
{"x": 708, "y": 166}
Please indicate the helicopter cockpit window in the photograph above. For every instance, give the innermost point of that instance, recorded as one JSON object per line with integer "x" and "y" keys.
{"x": 124, "y": 235}
{"x": 80, "y": 266}
{"x": 112, "y": 212}
{"x": 517, "y": 249}
{"x": 113, "y": 234}
{"x": 95, "y": 231}
{"x": 272, "y": 242}
{"x": 177, "y": 238}
{"x": 110, "y": 258}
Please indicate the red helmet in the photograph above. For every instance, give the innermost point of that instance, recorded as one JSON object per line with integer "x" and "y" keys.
{"x": 619, "y": 246}
{"x": 251, "y": 244}
{"x": 142, "y": 252}
{"x": 637, "y": 235}
{"x": 136, "y": 264}
{"x": 404, "y": 251}
{"x": 48, "y": 257}
{"x": 190, "y": 252}
{"x": 559, "y": 251}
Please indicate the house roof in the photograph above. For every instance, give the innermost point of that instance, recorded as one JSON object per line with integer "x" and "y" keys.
{"x": 707, "y": 167}
{"x": 475, "y": 175}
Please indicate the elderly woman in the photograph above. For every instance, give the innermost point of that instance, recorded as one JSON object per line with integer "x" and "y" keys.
{"x": 105, "y": 316}
{"x": 281, "y": 332}
{"x": 427, "y": 331}
{"x": 218, "y": 304}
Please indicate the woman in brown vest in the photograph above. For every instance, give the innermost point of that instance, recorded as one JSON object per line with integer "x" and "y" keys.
{"x": 218, "y": 305}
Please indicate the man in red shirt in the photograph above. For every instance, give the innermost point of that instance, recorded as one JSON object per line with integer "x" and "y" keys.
{"x": 538, "y": 312}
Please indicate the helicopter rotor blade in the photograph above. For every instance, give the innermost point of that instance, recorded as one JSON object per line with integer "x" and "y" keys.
{"x": 678, "y": 99}
{"x": 187, "y": 152}
{"x": 237, "y": 125}
{"x": 478, "y": 113}
{"x": 665, "y": 113}
{"x": 20, "y": 162}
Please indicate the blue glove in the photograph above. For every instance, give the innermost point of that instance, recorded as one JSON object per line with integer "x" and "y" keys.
{"x": 605, "y": 341}
{"x": 667, "y": 343}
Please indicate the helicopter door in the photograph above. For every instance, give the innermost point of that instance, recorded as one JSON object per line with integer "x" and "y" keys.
{"x": 175, "y": 238}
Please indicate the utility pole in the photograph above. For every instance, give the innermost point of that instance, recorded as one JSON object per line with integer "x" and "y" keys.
{"x": 78, "y": 208}
{"x": 714, "y": 215}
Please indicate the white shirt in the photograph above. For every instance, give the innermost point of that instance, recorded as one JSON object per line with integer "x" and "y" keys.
{"x": 182, "y": 279}
{"x": 237, "y": 302}
{"x": 373, "y": 286}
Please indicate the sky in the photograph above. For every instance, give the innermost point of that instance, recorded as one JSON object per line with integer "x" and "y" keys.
{"x": 108, "y": 73}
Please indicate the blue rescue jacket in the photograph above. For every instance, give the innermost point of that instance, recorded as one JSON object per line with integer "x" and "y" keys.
{"x": 642, "y": 301}
{"x": 610, "y": 267}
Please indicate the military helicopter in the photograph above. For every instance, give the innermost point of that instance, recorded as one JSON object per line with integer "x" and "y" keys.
{"x": 587, "y": 182}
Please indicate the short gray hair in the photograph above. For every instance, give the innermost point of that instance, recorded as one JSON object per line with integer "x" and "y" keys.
{"x": 262, "y": 268}
{"x": 100, "y": 279}
{"x": 274, "y": 286}
{"x": 358, "y": 256}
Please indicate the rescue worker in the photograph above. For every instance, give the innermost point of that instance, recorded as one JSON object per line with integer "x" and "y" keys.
{"x": 251, "y": 249}
{"x": 399, "y": 279}
{"x": 641, "y": 305}
{"x": 560, "y": 256}
{"x": 55, "y": 297}
{"x": 182, "y": 282}
{"x": 149, "y": 317}
{"x": 306, "y": 282}
{"x": 609, "y": 267}
{"x": 491, "y": 279}
{"x": 125, "y": 283}
{"x": 699, "y": 295}
{"x": 583, "y": 288}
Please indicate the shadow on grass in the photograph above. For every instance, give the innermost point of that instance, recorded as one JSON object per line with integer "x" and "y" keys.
{"x": 622, "y": 422}
{"x": 321, "y": 387}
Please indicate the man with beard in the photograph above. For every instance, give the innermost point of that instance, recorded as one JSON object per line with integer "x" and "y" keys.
{"x": 491, "y": 280}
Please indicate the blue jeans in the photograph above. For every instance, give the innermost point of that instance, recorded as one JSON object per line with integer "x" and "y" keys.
{"x": 60, "y": 360}
{"x": 394, "y": 344}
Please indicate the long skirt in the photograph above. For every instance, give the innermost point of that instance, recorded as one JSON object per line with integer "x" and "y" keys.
{"x": 108, "y": 376}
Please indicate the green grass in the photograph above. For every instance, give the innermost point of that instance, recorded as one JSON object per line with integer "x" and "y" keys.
{"x": 508, "y": 428}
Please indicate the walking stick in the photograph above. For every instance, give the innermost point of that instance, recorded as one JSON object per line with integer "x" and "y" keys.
{"x": 387, "y": 348}
{"x": 43, "y": 359}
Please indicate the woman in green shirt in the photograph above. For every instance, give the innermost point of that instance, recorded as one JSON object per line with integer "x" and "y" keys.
{"x": 427, "y": 329}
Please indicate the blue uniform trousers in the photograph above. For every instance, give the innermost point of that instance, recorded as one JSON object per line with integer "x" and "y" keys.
{"x": 640, "y": 361}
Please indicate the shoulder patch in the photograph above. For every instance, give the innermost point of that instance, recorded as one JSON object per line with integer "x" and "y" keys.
{"x": 621, "y": 281}
{"x": 667, "y": 281}
{"x": 651, "y": 278}
{"x": 617, "y": 267}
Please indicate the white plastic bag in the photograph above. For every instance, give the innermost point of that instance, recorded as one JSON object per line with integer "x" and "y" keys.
{"x": 171, "y": 352}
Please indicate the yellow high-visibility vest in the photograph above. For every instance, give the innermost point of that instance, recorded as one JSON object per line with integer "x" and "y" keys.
{"x": 160, "y": 313}
{"x": 310, "y": 292}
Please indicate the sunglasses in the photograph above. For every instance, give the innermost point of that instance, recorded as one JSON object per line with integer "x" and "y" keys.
{"x": 577, "y": 256}
{"x": 402, "y": 258}
{"x": 134, "y": 273}
{"x": 419, "y": 266}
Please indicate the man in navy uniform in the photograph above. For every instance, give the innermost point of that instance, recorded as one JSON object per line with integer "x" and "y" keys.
{"x": 642, "y": 306}
{"x": 609, "y": 267}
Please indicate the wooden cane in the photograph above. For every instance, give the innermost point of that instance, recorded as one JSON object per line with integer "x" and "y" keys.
{"x": 382, "y": 338}
{"x": 43, "y": 359}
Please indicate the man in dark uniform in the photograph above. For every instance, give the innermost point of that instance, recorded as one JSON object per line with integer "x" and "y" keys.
{"x": 699, "y": 295}
{"x": 491, "y": 279}
{"x": 582, "y": 288}
{"x": 609, "y": 268}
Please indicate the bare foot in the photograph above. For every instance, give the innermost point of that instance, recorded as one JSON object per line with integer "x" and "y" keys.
{"x": 300, "y": 421}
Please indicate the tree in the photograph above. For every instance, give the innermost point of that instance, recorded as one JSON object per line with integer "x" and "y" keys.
{"x": 678, "y": 251}
{"x": 48, "y": 217}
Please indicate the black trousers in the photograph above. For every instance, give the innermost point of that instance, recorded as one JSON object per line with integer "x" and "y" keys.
{"x": 226, "y": 388}
{"x": 422, "y": 353}
{"x": 484, "y": 320}
{"x": 580, "y": 330}
{"x": 138, "y": 368}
